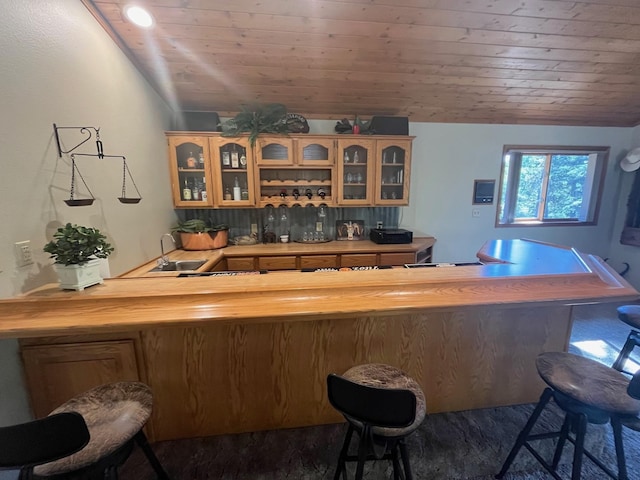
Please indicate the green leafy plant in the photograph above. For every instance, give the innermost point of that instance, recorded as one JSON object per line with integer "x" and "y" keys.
{"x": 75, "y": 244}
{"x": 257, "y": 119}
{"x": 197, "y": 225}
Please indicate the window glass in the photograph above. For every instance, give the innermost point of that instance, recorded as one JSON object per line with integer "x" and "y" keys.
{"x": 550, "y": 185}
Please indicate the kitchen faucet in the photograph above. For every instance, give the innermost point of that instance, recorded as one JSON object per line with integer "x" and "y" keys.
{"x": 163, "y": 258}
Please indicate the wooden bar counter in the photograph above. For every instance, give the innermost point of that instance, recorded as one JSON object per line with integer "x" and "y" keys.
{"x": 251, "y": 352}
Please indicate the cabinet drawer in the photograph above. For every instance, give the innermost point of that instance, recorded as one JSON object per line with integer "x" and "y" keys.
{"x": 241, "y": 264}
{"x": 397, "y": 258}
{"x": 318, "y": 261}
{"x": 358, "y": 260}
{"x": 277, "y": 263}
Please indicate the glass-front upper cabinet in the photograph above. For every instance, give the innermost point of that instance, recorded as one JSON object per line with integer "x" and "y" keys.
{"x": 356, "y": 169}
{"x": 392, "y": 173}
{"x": 190, "y": 169}
{"x": 274, "y": 151}
{"x": 233, "y": 172}
{"x": 315, "y": 151}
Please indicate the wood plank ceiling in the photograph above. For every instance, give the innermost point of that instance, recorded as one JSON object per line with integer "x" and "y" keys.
{"x": 551, "y": 62}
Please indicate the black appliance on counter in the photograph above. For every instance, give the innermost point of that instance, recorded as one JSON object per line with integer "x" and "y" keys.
{"x": 390, "y": 236}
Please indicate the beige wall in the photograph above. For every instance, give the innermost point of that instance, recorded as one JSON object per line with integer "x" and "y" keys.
{"x": 58, "y": 65}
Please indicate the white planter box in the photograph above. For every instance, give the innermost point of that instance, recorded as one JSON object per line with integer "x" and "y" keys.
{"x": 78, "y": 277}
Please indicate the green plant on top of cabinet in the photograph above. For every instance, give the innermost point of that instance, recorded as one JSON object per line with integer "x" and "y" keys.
{"x": 190, "y": 170}
{"x": 356, "y": 170}
{"x": 392, "y": 171}
{"x": 295, "y": 171}
{"x": 233, "y": 176}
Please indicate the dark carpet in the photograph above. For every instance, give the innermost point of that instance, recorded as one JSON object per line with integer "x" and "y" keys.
{"x": 460, "y": 445}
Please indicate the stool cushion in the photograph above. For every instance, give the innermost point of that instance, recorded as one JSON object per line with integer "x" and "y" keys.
{"x": 630, "y": 314}
{"x": 385, "y": 376}
{"x": 587, "y": 381}
{"x": 114, "y": 414}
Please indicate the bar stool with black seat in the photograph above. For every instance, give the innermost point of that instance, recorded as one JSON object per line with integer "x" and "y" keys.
{"x": 383, "y": 406}
{"x": 629, "y": 314}
{"x": 588, "y": 392}
{"x": 41, "y": 441}
{"x": 114, "y": 415}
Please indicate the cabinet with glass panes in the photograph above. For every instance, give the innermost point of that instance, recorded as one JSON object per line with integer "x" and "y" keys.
{"x": 392, "y": 171}
{"x": 233, "y": 165}
{"x": 295, "y": 170}
{"x": 190, "y": 171}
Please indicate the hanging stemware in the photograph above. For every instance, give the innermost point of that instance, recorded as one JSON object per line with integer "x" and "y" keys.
{"x": 124, "y": 198}
{"x": 77, "y": 202}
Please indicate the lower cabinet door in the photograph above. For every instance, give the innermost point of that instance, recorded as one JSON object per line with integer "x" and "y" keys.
{"x": 397, "y": 258}
{"x": 277, "y": 263}
{"x": 56, "y": 373}
{"x": 358, "y": 260}
{"x": 318, "y": 261}
{"x": 241, "y": 264}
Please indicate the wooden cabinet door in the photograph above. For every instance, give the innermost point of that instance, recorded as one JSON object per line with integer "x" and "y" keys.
{"x": 277, "y": 263}
{"x": 397, "y": 258}
{"x": 274, "y": 151}
{"x": 190, "y": 170}
{"x": 359, "y": 260}
{"x": 393, "y": 165}
{"x": 233, "y": 175}
{"x": 318, "y": 152}
{"x": 318, "y": 261}
{"x": 356, "y": 171}
{"x": 241, "y": 264}
{"x": 56, "y": 373}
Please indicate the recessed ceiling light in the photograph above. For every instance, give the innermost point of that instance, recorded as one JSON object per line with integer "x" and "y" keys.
{"x": 138, "y": 15}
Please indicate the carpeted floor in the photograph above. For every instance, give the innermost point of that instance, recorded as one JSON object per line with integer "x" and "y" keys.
{"x": 462, "y": 445}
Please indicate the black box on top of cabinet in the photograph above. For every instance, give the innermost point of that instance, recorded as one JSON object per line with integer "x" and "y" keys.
{"x": 197, "y": 122}
{"x": 389, "y": 125}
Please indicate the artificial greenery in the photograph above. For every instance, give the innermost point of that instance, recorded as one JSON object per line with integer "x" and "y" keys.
{"x": 197, "y": 225}
{"x": 257, "y": 119}
{"x": 75, "y": 244}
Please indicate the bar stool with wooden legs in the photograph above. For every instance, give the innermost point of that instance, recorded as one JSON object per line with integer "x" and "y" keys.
{"x": 588, "y": 392}
{"x": 629, "y": 314}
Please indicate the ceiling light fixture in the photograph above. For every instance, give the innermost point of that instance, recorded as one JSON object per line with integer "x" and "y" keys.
{"x": 138, "y": 16}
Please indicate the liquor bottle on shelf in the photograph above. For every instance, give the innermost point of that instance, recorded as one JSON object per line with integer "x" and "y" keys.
{"x": 243, "y": 160}
{"x": 226, "y": 160}
{"x": 186, "y": 191}
{"x": 195, "y": 191}
{"x": 355, "y": 157}
{"x": 346, "y": 157}
{"x": 201, "y": 160}
{"x": 235, "y": 163}
{"x": 191, "y": 161}
{"x": 227, "y": 194}
{"x": 237, "y": 194}
{"x": 203, "y": 193}
{"x": 244, "y": 193}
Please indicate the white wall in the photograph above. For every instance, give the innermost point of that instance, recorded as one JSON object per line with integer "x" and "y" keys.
{"x": 620, "y": 254}
{"x": 59, "y": 65}
{"x": 448, "y": 157}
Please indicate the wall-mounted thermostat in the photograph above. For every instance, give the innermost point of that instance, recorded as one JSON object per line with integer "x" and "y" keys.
{"x": 483, "y": 191}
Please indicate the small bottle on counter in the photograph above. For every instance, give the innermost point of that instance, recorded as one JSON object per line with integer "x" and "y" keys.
{"x": 237, "y": 194}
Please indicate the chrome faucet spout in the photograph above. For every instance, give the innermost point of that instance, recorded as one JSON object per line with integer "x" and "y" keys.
{"x": 163, "y": 258}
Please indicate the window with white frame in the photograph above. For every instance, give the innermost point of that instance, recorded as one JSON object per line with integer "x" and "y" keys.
{"x": 551, "y": 185}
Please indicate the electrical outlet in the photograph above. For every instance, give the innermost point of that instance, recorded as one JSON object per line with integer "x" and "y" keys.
{"x": 23, "y": 253}
{"x": 254, "y": 229}
{"x": 475, "y": 212}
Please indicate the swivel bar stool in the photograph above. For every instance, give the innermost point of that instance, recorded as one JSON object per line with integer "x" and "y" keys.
{"x": 115, "y": 414}
{"x": 588, "y": 392}
{"x": 383, "y": 406}
{"x": 629, "y": 314}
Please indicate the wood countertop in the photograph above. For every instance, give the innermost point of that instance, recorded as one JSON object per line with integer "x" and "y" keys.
{"x": 528, "y": 273}
{"x": 278, "y": 249}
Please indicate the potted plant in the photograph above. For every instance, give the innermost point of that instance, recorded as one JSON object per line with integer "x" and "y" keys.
{"x": 195, "y": 234}
{"x": 76, "y": 251}
{"x": 254, "y": 120}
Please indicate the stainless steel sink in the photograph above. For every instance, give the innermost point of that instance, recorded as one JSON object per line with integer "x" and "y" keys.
{"x": 180, "y": 266}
